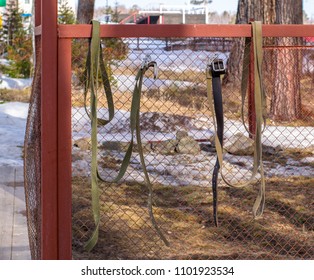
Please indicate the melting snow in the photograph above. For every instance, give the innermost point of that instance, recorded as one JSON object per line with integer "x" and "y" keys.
{"x": 11, "y": 83}
{"x": 168, "y": 169}
{"x": 12, "y": 129}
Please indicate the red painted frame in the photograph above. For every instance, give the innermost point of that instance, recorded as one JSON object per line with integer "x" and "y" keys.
{"x": 56, "y": 199}
{"x": 56, "y": 171}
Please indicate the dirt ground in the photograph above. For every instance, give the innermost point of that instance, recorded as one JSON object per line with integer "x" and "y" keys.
{"x": 184, "y": 214}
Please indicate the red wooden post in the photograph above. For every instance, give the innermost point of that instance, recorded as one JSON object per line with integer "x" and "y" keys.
{"x": 37, "y": 10}
{"x": 64, "y": 150}
{"x": 49, "y": 131}
{"x": 37, "y": 46}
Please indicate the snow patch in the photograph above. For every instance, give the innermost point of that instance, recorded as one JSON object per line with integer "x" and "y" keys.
{"x": 12, "y": 130}
{"x": 166, "y": 169}
{"x": 14, "y": 83}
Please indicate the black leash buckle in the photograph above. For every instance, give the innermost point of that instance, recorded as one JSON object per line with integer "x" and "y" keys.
{"x": 218, "y": 67}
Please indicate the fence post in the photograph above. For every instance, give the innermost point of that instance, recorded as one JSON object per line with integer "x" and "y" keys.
{"x": 49, "y": 125}
{"x": 64, "y": 150}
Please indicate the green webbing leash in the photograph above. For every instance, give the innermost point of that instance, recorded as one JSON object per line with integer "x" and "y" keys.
{"x": 93, "y": 63}
{"x": 260, "y": 105}
{"x": 259, "y": 100}
{"x": 135, "y": 127}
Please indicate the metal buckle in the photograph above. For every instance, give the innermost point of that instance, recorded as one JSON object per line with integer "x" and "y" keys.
{"x": 147, "y": 63}
{"x": 218, "y": 67}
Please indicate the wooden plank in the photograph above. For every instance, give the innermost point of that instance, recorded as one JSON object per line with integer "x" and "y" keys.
{"x": 14, "y": 243}
{"x": 49, "y": 130}
{"x": 64, "y": 149}
{"x": 158, "y": 30}
{"x": 37, "y": 4}
{"x": 20, "y": 242}
{"x": 185, "y": 30}
{"x": 6, "y": 221}
{"x": 288, "y": 30}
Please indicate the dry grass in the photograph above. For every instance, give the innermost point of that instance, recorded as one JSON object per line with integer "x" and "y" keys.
{"x": 165, "y": 74}
{"x": 122, "y": 101}
{"x": 193, "y": 99}
{"x": 285, "y": 231}
{"x": 7, "y": 95}
{"x": 283, "y": 156}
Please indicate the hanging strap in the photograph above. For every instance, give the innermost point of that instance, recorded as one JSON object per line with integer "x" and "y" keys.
{"x": 216, "y": 69}
{"x": 260, "y": 110}
{"x": 259, "y": 100}
{"x": 93, "y": 63}
{"x": 135, "y": 127}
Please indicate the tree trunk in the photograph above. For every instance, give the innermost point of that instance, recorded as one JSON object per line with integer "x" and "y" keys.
{"x": 248, "y": 10}
{"x": 286, "y": 96}
{"x": 234, "y": 64}
{"x": 282, "y": 65}
{"x": 85, "y": 11}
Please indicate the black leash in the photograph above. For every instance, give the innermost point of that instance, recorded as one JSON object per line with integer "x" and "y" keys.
{"x": 213, "y": 73}
{"x": 216, "y": 69}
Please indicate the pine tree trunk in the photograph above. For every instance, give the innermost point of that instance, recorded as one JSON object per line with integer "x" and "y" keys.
{"x": 286, "y": 96}
{"x": 234, "y": 65}
{"x": 248, "y": 10}
{"x": 283, "y": 65}
{"x": 85, "y": 11}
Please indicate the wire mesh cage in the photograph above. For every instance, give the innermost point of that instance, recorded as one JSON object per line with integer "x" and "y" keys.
{"x": 178, "y": 141}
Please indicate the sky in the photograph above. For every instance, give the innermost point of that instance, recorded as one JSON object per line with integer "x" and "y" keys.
{"x": 216, "y": 5}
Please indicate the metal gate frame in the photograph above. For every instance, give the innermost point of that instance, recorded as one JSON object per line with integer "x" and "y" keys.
{"x": 56, "y": 143}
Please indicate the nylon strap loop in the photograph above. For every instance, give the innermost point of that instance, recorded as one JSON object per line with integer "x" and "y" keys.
{"x": 259, "y": 100}
{"x": 95, "y": 61}
{"x": 92, "y": 67}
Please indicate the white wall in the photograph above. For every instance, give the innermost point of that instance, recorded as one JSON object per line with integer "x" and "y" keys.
{"x": 26, "y": 6}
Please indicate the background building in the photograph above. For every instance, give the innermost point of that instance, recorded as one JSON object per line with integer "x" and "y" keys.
{"x": 27, "y": 5}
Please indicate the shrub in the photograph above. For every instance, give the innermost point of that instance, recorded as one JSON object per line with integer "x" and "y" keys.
{"x": 16, "y": 43}
{"x": 19, "y": 55}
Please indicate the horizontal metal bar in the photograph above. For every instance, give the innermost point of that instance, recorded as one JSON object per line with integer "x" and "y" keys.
{"x": 184, "y": 30}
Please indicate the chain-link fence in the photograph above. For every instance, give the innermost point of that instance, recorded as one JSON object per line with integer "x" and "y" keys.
{"x": 177, "y": 134}
{"x": 32, "y": 162}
